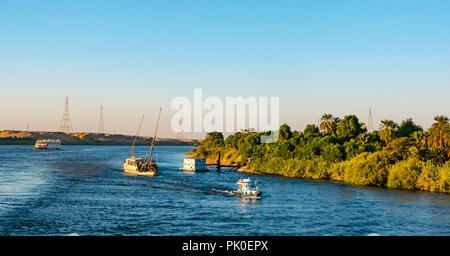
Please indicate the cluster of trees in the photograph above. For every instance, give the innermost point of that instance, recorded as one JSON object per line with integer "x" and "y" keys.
{"x": 403, "y": 156}
{"x": 17, "y": 141}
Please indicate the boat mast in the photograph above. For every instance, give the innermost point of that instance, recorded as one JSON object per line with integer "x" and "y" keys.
{"x": 135, "y": 137}
{"x": 154, "y": 138}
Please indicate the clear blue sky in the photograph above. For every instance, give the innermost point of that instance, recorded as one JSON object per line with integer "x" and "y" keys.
{"x": 337, "y": 57}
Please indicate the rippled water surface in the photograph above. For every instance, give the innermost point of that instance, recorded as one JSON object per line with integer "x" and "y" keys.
{"x": 82, "y": 190}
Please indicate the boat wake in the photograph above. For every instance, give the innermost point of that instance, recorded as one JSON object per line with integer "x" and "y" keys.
{"x": 220, "y": 191}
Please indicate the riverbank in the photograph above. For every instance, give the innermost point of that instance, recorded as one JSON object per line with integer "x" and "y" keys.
{"x": 11, "y": 137}
{"x": 425, "y": 177}
{"x": 396, "y": 156}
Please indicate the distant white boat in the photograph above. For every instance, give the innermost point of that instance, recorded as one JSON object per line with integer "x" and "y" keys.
{"x": 47, "y": 144}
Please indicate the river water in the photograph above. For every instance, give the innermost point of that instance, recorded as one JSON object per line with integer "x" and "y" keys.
{"x": 81, "y": 190}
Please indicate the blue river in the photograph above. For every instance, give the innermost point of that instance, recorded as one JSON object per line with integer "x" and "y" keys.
{"x": 81, "y": 190}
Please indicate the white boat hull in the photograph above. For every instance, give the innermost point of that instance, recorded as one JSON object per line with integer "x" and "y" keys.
{"x": 133, "y": 170}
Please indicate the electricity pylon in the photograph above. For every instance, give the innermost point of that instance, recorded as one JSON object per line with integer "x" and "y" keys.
{"x": 66, "y": 124}
{"x": 370, "y": 122}
{"x": 100, "y": 122}
{"x": 180, "y": 134}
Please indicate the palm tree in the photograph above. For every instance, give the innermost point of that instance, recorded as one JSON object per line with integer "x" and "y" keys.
{"x": 363, "y": 126}
{"x": 328, "y": 124}
{"x": 363, "y": 138}
{"x": 387, "y": 129}
{"x": 440, "y": 129}
{"x": 420, "y": 138}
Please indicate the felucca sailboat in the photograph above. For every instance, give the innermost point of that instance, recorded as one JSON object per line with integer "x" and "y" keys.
{"x": 142, "y": 166}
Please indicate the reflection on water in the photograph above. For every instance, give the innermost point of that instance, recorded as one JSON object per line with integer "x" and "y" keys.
{"x": 81, "y": 190}
{"x": 246, "y": 205}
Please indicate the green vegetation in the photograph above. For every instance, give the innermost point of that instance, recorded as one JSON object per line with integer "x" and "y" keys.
{"x": 396, "y": 156}
{"x": 17, "y": 141}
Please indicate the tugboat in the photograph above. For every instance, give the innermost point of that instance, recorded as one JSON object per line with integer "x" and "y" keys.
{"x": 142, "y": 166}
{"x": 47, "y": 144}
{"x": 246, "y": 189}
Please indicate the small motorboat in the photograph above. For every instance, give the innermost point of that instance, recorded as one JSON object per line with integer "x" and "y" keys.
{"x": 247, "y": 190}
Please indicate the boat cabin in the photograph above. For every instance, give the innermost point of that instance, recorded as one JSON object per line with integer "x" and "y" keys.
{"x": 244, "y": 185}
{"x": 47, "y": 144}
{"x": 141, "y": 163}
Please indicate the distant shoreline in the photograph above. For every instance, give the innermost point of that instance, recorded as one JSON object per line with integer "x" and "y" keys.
{"x": 12, "y": 137}
{"x": 122, "y": 145}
